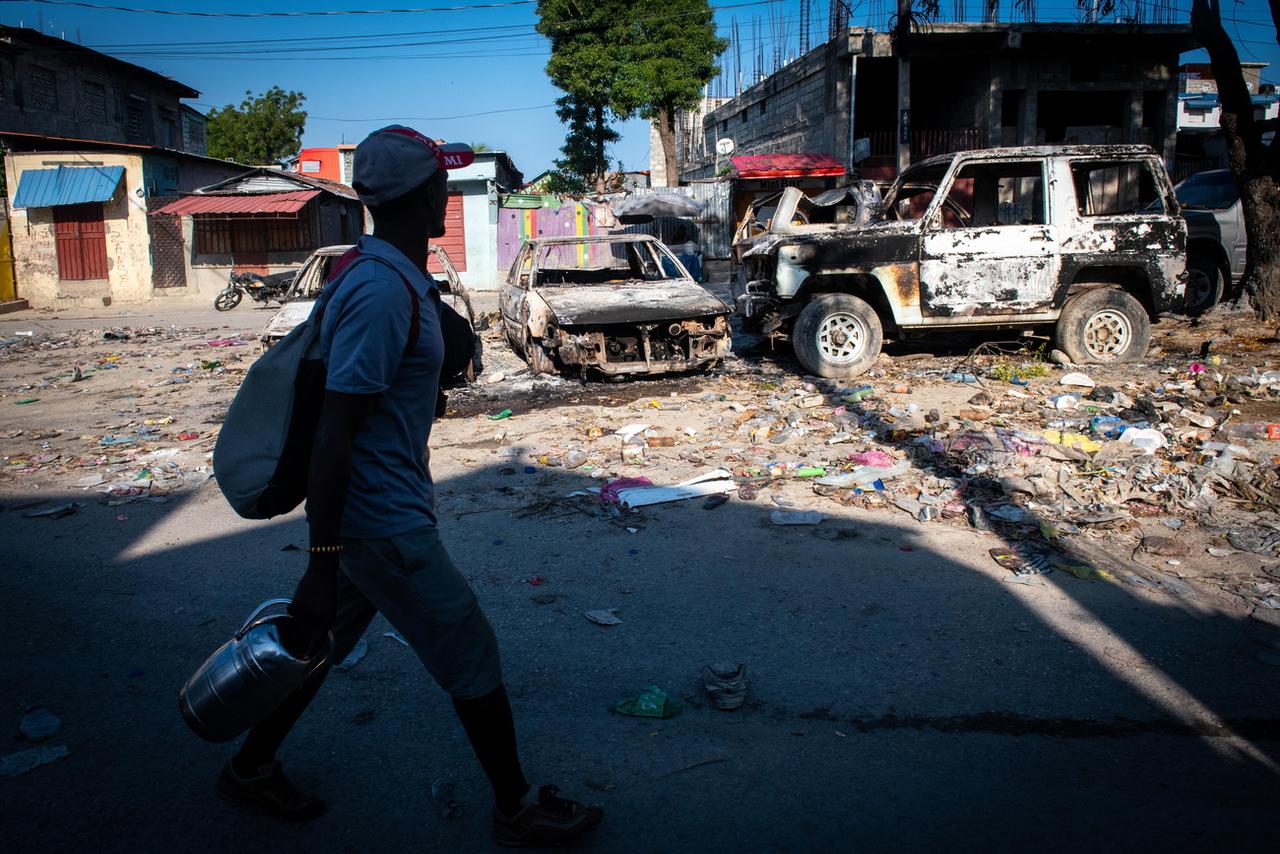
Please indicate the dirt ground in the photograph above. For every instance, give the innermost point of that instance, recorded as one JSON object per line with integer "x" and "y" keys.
{"x": 907, "y": 689}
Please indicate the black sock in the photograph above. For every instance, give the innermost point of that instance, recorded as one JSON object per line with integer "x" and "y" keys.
{"x": 492, "y": 731}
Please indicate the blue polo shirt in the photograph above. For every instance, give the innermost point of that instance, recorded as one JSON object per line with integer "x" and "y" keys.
{"x": 363, "y": 336}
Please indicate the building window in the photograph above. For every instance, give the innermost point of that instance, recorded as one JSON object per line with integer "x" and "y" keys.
{"x": 43, "y": 84}
{"x": 215, "y": 236}
{"x": 168, "y": 129}
{"x": 136, "y": 119}
{"x": 81, "y": 238}
{"x": 309, "y": 166}
{"x": 93, "y": 102}
{"x": 193, "y": 134}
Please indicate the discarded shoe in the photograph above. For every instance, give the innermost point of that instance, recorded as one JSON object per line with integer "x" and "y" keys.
{"x": 726, "y": 684}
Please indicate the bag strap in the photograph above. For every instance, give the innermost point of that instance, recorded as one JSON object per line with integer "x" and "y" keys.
{"x": 344, "y": 265}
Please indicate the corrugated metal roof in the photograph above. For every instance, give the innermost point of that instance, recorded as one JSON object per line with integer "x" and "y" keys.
{"x": 250, "y": 204}
{"x": 66, "y": 185}
{"x": 785, "y": 165}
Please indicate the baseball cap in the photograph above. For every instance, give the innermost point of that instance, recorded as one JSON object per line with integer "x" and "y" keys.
{"x": 393, "y": 160}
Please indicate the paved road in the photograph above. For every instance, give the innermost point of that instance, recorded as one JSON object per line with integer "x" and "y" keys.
{"x": 903, "y": 697}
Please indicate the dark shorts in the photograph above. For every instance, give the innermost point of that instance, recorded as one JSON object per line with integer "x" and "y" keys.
{"x": 412, "y": 581}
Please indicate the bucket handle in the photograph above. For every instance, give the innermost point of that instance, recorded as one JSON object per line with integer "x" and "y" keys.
{"x": 258, "y": 611}
{"x": 270, "y": 603}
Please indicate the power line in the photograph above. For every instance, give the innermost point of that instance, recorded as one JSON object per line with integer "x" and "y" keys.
{"x": 332, "y": 13}
{"x": 433, "y": 118}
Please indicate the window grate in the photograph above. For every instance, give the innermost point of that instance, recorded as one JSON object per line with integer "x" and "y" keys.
{"x": 93, "y": 102}
{"x": 43, "y": 83}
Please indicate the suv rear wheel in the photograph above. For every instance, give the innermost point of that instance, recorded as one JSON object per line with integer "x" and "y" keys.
{"x": 1103, "y": 324}
{"x": 837, "y": 336}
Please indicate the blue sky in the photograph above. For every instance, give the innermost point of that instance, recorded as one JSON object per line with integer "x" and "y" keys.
{"x": 474, "y": 74}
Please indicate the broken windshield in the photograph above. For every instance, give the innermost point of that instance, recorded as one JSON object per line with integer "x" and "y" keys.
{"x": 593, "y": 262}
{"x": 911, "y": 195}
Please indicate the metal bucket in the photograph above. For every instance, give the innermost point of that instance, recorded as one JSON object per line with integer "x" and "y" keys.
{"x": 247, "y": 678}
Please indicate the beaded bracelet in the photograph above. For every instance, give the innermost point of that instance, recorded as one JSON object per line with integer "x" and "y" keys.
{"x": 324, "y": 549}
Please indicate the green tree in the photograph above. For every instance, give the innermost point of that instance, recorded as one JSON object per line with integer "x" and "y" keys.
{"x": 588, "y": 135}
{"x": 669, "y": 52}
{"x": 585, "y": 61}
{"x": 265, "y": 128}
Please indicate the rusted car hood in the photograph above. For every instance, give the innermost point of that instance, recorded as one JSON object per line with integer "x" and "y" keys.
{"x": 638, "y": 302}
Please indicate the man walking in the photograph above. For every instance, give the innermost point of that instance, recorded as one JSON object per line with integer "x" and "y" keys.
{"x": 374, "y": 545}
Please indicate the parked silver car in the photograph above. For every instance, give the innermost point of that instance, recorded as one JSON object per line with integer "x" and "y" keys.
{"x": 305, "y": 290}
{"x": 1215, "y": 236}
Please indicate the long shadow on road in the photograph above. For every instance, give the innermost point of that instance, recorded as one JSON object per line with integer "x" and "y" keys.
{"x": 901, "y": 695}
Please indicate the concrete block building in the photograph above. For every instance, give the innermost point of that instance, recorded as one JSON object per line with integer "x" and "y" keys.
{"x": 957, "y": 86}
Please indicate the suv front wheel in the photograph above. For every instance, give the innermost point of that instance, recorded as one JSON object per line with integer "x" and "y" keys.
{"x": 1103, "y": 324}
{"x": 837, "y": 336}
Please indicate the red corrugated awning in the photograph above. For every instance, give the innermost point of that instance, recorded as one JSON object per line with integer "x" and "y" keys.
{"x": 786, "y": 165}
{"x": 259, "y": 203}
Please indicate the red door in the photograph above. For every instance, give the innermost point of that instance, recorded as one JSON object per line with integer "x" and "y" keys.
{"x": 81, "y": 237}
{"x": 454, "y": 241}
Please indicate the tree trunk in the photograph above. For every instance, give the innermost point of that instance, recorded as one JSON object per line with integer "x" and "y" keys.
{"x": 1255, "y": 167}
{"x": 666, "y": 121}
{"x": 602, "y": 165}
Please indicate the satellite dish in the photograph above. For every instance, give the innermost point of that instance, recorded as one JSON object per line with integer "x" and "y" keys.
{"x": 724, "y": 146}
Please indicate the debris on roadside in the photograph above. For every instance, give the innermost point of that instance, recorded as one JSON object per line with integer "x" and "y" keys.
{"x": 726, "y": 684}
{"x": 651, "y": 702}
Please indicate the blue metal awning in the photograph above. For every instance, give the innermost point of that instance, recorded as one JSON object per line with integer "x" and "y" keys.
{"x": 66, "y": 185}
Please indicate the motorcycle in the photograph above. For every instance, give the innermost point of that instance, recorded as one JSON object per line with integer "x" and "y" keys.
{"x": 261, "y": 289}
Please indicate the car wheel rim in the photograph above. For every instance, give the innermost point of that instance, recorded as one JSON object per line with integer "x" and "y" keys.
{"x": 1198, "y": 289}
{"x": 841, "y": 338}
{"x": 1107, "y": 334}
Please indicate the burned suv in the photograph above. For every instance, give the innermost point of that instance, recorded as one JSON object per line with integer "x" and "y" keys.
{"x": 1087, "y": 238}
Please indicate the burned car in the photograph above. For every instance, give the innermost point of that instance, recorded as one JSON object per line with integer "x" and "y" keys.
{"x": 1086, "y": 238}
{"x": 310, "y": 281}
{"x": 617, "y": 304}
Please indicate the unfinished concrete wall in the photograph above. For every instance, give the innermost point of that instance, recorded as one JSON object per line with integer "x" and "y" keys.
{"x": 793, "y": 111}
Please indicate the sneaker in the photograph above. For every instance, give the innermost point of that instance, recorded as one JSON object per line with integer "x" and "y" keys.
{"x": 270, "y": 790}
{"x": 550, "y": 820}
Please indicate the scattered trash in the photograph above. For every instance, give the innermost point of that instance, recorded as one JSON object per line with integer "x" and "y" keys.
{"x": 652, "y": 702}
{"x": 506, "y": 413}
{"x": 23, "y": 761}
{"x": 396, "y": 636}
{"x": 25, "y": 400}
{"x": 1148, "y": 440}
{"x": 359, "y": 651}
{"x": 714, "y": 501}
{"x": 640, "y": 491}
{"x": 54, "y": 512}
{"x": 1077, "y": 379}
{"x": 726, "y": 684}
{"x": 39, "y": 724}
{"x": 603, "y": 617}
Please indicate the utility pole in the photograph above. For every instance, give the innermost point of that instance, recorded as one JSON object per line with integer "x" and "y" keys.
{"x": 904, "y": 88}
